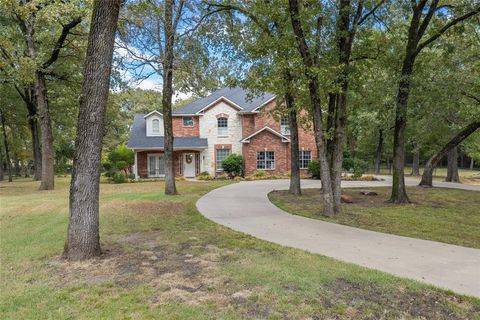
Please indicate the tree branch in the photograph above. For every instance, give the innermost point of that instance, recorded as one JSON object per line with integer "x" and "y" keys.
{"x": 60, "y": 41}
{"x": 371, "y": 12}
{"x": 446, "y": 27}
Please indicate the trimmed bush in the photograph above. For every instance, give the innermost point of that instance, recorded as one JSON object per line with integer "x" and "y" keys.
{"x": 314, "y": 169}
{"x": 233, "y": 165}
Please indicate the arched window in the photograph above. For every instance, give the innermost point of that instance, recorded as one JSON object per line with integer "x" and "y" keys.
{"x": 222, "y": 126}
{"x": 155, "y": 126}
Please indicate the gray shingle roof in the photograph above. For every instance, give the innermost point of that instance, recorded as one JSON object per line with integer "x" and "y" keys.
{"x": 139, "y": 139}
{"x": 248, "y": 101}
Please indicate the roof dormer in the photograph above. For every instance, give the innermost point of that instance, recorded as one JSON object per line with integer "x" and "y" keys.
{"x": 154, "y": 124}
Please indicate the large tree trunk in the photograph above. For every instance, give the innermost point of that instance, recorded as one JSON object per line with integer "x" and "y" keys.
{"x": 48, "y": 152}
{"x": 313, "y": 88}
{"x": 455, "y": 141}
{"x": 416, "y": 160}
{"x": 452, "y": 167}
{"x": 378, "y": 152}
{"x": 167, "y": 93}
{"x": 399, "y": 193}
{"x": 332, "y": 106}
{"x": 83, "y": 239}
{"x": 33, "y": 126}
{"x": 295, "y": 187}
{"x": 472, "y": 162}
{"x": 1, "y": 165}
{"x": 40, "y": 89}
{"x": 7, "y": 151}
{"x": 16, "y": 162}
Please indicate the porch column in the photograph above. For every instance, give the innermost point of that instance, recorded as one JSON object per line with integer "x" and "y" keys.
{"x": 135, "y": 166}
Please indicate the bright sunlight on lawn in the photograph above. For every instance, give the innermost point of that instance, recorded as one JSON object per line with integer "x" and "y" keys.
{"x": 438, "y": 214}
{"x": 163, "y": 260}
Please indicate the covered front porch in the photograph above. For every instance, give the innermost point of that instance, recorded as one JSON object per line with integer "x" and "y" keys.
{"x": 151, "y": 163}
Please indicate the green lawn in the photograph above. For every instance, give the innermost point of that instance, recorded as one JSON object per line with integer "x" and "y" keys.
{"x": 439, "y": 214}
{"x": 466, "y": 175}
{"x": 163, "y": 260}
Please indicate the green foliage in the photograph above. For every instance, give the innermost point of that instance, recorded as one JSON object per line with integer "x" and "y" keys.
{"x": 119, "y": 177}
{"x": 314, "y": 169}
{"x": 204, "y": 175}
{"x": 233, "y": 165}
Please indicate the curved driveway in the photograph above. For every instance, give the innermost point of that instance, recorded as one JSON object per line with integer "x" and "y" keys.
{"x": 245, "y": 207}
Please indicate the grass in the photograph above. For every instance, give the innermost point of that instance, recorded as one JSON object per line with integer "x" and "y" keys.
{"x": 163, "y": 260}
{"x": 438, "y": 214}
{"x": 441, "y": 173}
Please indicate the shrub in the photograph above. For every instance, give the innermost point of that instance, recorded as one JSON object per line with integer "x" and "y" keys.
{"x": 348, "y": 164}
{"x": 233, "y": 165}
{"x": 205, "y": 175}
{"x": 222, "y": 178}
{"x": 314, "y": 169}
{"x": 119, "y": 177}
{"x": 119, "y": 159}
{"x": 238, "y": 179}
{"x": 359, "y": 167}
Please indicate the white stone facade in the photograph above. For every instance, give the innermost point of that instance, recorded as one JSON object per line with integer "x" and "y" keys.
{"x": 209, "y": 130}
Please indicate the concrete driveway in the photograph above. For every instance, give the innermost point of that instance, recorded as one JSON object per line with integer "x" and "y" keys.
{"x": 245, "y": 207}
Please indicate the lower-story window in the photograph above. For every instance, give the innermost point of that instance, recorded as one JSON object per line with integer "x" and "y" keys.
{"x": 220, "y": 155}
{"x": 304, "y": 159}
{"x": 265, "y": 160}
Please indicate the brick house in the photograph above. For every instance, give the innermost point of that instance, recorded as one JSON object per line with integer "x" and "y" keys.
{"x": 209, "y": 129}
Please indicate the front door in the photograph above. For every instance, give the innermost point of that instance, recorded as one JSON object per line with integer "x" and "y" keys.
{"x": 189, "y": 165}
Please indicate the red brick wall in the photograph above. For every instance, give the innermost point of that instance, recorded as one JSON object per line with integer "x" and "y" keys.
{"x": 266, "y": 141}
{"x": 177, "y": 158}
{"x": 179, "y": 130}
{"x": 142, "y": 164}
{"x": 254, "y": 122}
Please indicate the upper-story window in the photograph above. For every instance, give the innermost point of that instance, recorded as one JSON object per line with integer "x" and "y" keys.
{"x": 156, "y": 126}
{"x": 188, "y": 121}
{"x": 222, "y": 126}
{"x": 284, "y": 125}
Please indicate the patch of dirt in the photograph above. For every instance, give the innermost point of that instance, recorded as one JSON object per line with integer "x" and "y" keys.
{"x": 177, "y": 275}
{"x": 472, "y": 181}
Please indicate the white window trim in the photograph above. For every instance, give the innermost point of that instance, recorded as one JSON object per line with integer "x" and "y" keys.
{"x": 274, "y": 161}
{"x": 216, "y": 159}
{"x": 226, "y": 128}
{"x": 153, "y": 127}
{"x": 148, "y": 165}
{"x": 285, "y": 128}
{"x": 300, "y": 159}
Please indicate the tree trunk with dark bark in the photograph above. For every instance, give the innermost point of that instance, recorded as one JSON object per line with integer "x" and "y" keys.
{"x": 416, "y": 160}
{"x": 452, "y": 167}
{"x": 378, "y": 152}
{"x": 7, "y": 150}
{"x": 167, "y": 93}
{"x": 48, "y": 151}
{"x": 295, "y": 187}
{"x": 33, "y": 126}
{"x": 422, "y": 13}
{"x": 472, "y": 162}
{"x": 16, "y": 163}
{"x": 313, "y": 86}
{"x": 1, "y": 165}
{"x": 427, "y": 175}
{"x": 332, "y": 106}
{"x": 83, "y": 239}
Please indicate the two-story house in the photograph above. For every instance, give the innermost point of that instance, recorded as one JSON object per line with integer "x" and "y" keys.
{"x": 209, "y": 129}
